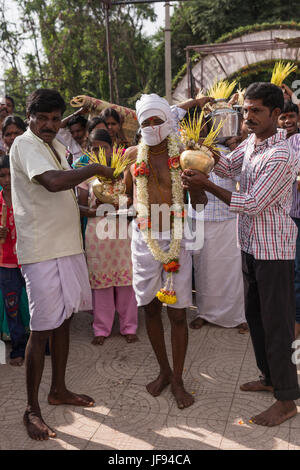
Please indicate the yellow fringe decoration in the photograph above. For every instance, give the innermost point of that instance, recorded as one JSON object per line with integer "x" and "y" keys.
{"x": 118, "y": 160}
{"x": 222, "y": 89}
{"x": 191, "y": 131}
{"x": 166, "y": 297}
{"x": 281, "y": 71}
{"x": 191, "y": 128}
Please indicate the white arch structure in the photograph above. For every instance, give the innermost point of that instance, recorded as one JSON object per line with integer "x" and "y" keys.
{"x": 221, "y": 60}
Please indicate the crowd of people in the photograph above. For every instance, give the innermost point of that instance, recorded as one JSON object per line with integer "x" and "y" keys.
{"x": 51, "y": 253}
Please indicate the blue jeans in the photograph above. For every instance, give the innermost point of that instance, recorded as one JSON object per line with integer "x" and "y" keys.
{"x": 297, "y": 271}
{"x": 11, "y": 285}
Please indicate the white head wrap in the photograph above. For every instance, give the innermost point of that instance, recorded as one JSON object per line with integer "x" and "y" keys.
{"x": 153, "y": 105}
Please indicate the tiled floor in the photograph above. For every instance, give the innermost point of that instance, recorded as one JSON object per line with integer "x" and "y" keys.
{"x": 126, "y": 417}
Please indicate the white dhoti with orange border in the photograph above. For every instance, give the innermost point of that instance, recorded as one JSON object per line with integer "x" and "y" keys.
{"x": 149, "y": 275}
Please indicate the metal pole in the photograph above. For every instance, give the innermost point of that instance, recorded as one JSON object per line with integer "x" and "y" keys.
{"x": 109, "y": 59}
{"x": 168, "y": 63}
{"x": 188, "y": 72}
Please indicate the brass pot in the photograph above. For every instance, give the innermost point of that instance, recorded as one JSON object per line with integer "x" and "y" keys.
{"x": 201, "y": 160}
{"x": 108, "y": 191}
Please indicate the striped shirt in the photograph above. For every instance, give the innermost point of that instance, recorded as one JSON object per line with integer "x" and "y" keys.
{"x": 295, "y": 144}
{"x": 215, "y": 209}
{"x": 267, "y": 170}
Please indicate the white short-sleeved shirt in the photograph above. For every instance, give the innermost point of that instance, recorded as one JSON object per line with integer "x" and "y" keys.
{"x": 48, "y": 224}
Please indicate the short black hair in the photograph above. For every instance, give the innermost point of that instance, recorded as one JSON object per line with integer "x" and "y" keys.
{"x": 45, "y": 100}
{"x": 92, "y": 123}
{"x": 290, "y": 107}
{"x": 77, "y": 120}
{"x": 16, "y": 120}
{"x": 4, "y": 161}
{"x": 270, "y": 94}
{"x": 100, "y": 134}
{"x": 10, "y": 99}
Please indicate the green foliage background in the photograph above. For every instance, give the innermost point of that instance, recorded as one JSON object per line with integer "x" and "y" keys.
{"x": 69, "y": 43}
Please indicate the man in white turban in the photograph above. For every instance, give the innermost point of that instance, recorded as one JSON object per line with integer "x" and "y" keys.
{"x": 157, "y": 256}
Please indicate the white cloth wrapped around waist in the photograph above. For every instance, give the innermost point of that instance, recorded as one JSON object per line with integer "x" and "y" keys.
{"x": 149, "y": 276}
{"x": 56, "y": 289}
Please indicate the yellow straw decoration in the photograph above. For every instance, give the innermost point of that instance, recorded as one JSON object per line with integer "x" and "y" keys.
{"x": 119, "y": 161}
{"x": 191, "y": 128}
{"x": 281, "y": 71}
{"x": 222, "y": 89}
{"x": 191, "y": 132}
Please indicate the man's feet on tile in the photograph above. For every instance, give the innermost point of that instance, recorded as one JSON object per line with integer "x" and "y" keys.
{"x": 70, "y": 398}
{"x": 243, "y": 328}
{"x": 36, "y": 427}
{"x": 278, "y": 413}
{"x": 197, "y": 323}
{"x": 157, "y": 386}
{"x": 256, "y": 386}
{"x": 182, "y": 397}
{"x": 17, "y": 361}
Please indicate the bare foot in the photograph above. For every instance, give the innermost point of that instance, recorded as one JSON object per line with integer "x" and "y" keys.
{"x": 182, "y": 397}
{"x": 131, "y": 338}
{"x": 243, "y": 328}
{"x": 197, "y": 323}
{"x": 157, "y": 386}
{"x": 69, "y": 398}
{"x": 256, "y": 386}
{"x": 17, "y": 361}
{"x": 98, "y": 340}
{"x": 36, "y": 427}
{"x": 279, "y": 412}
{"x": 297, "y": 330}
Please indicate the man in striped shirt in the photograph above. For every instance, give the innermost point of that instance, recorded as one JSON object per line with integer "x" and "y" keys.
{"x": 288, "y": 120}
{"x": 267, "y": 237}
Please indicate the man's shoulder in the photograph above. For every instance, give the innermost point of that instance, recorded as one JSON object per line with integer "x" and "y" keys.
{"x": 22, "y": 141}
{"x": 294, "y": 141}
{"x": 282, "y": 147}
{"x": 132, "y": 152}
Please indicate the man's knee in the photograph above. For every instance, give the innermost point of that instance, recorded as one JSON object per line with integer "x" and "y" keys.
{"x": 153, "y": 309}
{"x": 177, "y": 316}
{"x": 39, "y": 338}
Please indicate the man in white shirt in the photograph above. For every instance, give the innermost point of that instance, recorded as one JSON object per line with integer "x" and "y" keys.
{"x": 49, "y": 248}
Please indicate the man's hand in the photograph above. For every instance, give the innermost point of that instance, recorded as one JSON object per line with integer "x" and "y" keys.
{"x": 201, "y": 102}
{"x": 194, "y": 180}
{"x": 288, "y": 93}
{"x": 234, "y": 99}
{"x": 233, "y": 142}
{"x": 3, "y": 232}
{"x": 105, "y": 171}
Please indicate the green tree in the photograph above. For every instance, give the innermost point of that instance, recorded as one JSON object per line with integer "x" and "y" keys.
{"x": 68, "y": 40}
{"x": 205, "y": 21}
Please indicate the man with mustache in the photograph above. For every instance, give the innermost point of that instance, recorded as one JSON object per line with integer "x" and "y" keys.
{"x": 267, "y": 237}
{"x": 50, "y": 249}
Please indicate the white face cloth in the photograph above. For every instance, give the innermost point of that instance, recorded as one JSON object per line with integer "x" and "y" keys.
{"x": 153, "y": 105}
{"x": 154, "y": 135}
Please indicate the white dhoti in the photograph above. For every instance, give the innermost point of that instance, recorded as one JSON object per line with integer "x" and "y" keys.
{"x": 56, "y": 289}
{"x": 149, "y": 276}
{"x": 218, "y": 276}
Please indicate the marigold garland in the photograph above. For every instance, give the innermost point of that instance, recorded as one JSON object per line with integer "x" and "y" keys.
{"x": 169, "y": 259}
